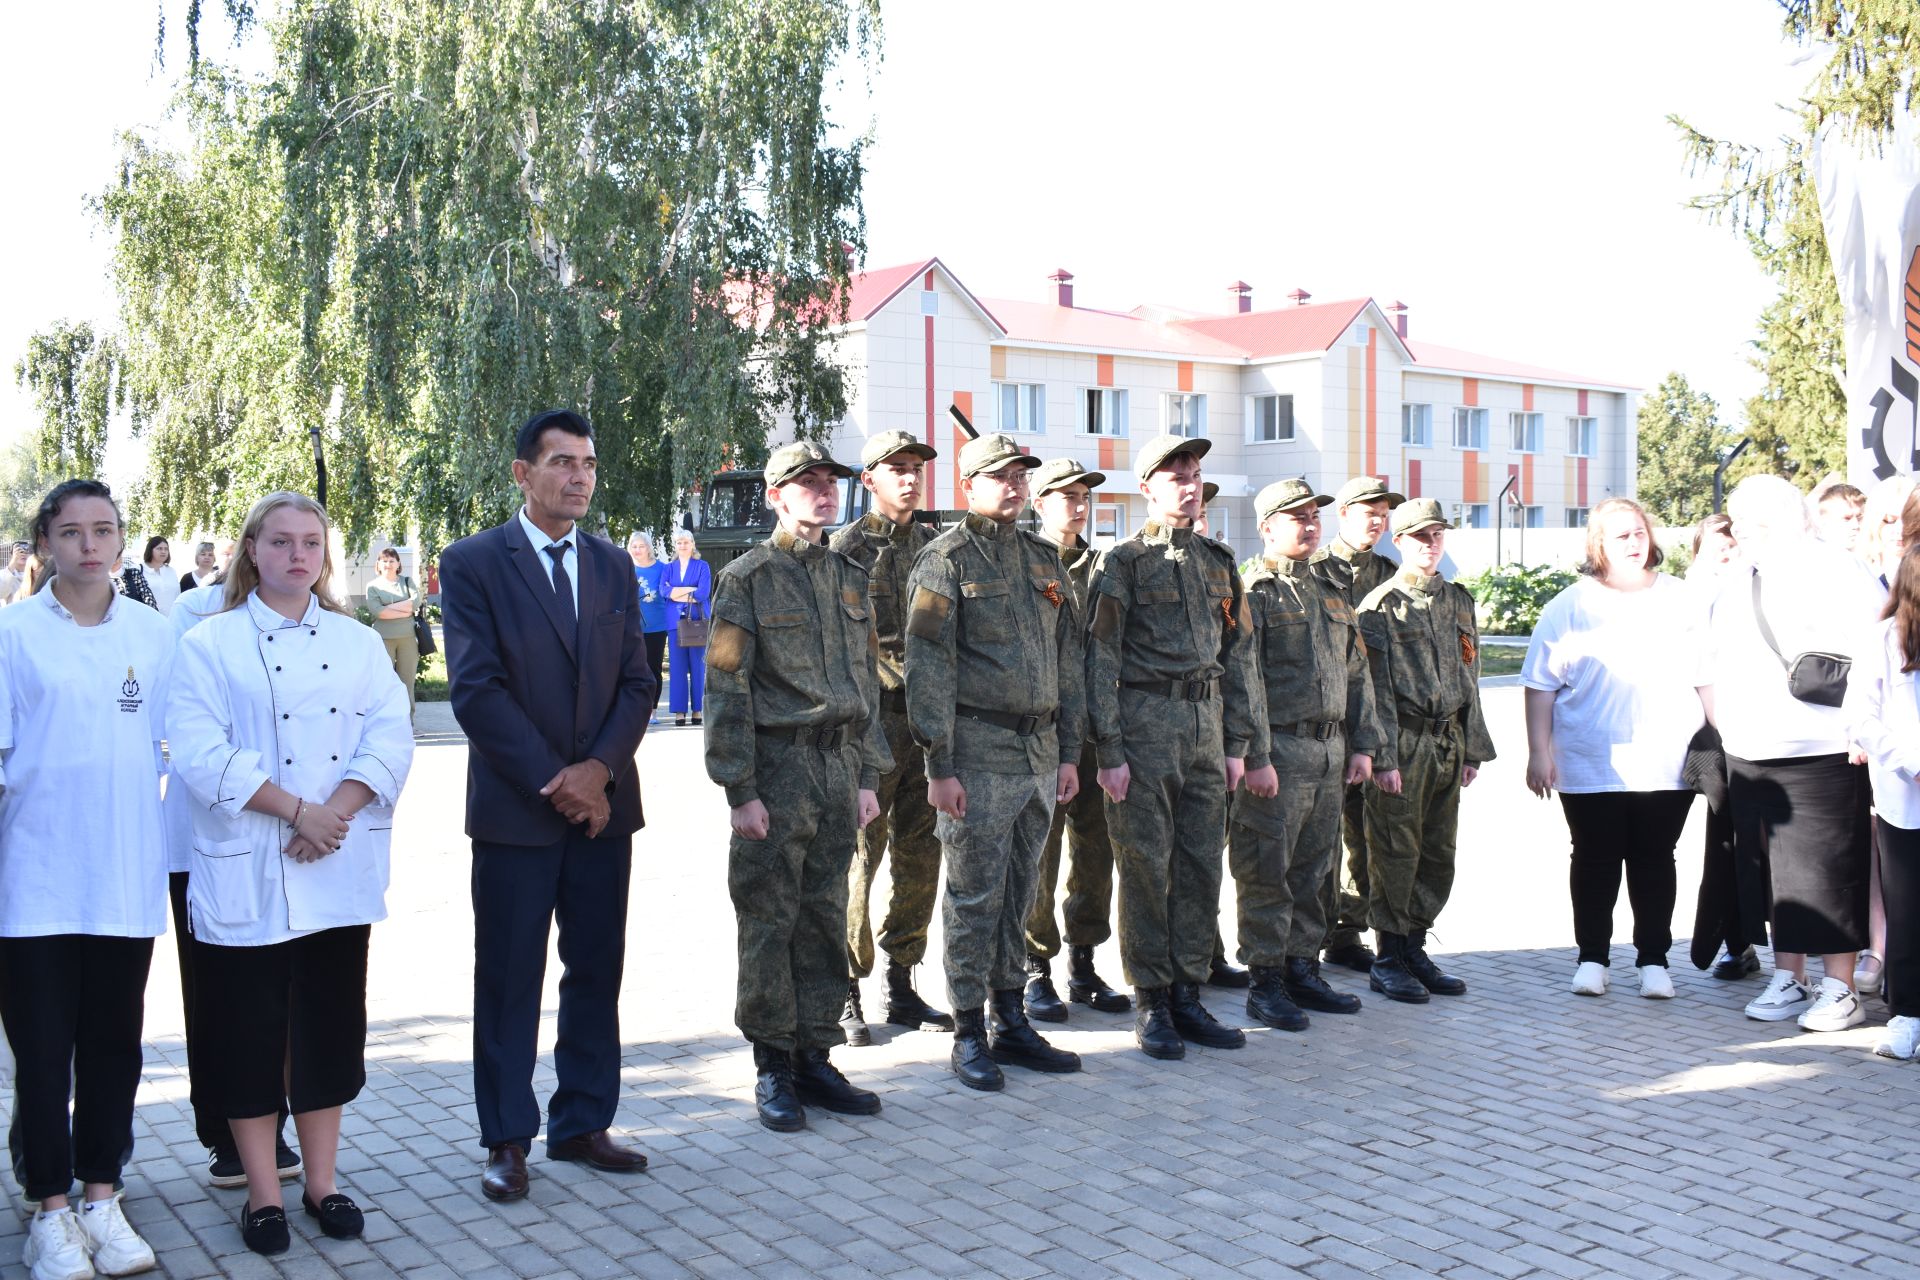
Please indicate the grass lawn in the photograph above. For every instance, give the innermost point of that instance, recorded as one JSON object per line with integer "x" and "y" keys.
{"x": 1494, "y": 661}
{"x": 431, "y": 684}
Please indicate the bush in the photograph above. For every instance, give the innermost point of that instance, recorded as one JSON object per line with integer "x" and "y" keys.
{"x": 1509, "y": 597}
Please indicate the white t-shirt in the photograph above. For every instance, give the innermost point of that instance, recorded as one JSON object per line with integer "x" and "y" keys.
{"x": 1623, "y": 666}
{"x": 82, "y": 845}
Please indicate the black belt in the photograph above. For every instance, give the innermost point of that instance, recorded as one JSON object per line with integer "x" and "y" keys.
{"x": 1180, "y": 690}
{"x": 1324, "y": 730}
{"x": 831, "y": 738}
{"x": 1418, "y": 722}
{"x": 1025, "y": 726}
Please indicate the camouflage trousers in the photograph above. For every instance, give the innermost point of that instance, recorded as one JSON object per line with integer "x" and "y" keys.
{"x": 790, "y": 896}
{"x": 1346, "y": 898}
{"x": 991, "y": 856}
{"x": 1410, "y": 837}
{"x": 1082, "y": 825}
{"x": 1282, "y": 849}
{"x": 904, "y": 835}
{"x": 1167, "y": 836}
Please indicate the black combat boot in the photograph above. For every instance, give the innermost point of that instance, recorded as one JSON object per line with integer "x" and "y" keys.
{"x": 1193, "y": 1021}
{"x": 1227, "y": 975}
{"x": 1431, "y": 975}
{"x": 1269, "y": 1003}
{"x": 1043, "y": 1002}
{"x": 1153, "y": 1024}
{"x": 820, "y": 1084}
{"x": 972, "y": 1061}
{"x": 1390, "y": 976}
{"x": 1013, "y": 1041}
{"x": 773, "y": 1092}
{"x": 1084, "y": 986}
{"x": 1311, "y": 991}
{"x": 853, "y": 1020}
{"x": 1355, "y": 955}
{"x": 905, "y": 1008}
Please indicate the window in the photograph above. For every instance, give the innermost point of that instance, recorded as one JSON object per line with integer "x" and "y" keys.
{"x": 1217, "y": 524}
{"x": 1474, "y": 516}
{"x": 1109, "y": 520}
{"x": 1577, "y": 517}
{"x": 1580, "y": 437}
{"x": 1533, "y": 517}
{"x": 1416, "y": 424}
{"x": 1469, "y": 428}
{"x": 1526, "y": 431}
{"x": 1023, "y": 406}
{"x": 1187, "y": 415}
{"x": 1272, "y": 418}
{"x": 1106, "y": 412}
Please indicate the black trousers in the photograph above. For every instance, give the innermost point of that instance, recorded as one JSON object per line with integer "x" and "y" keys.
{"x": 656, "y": 642}
{"x": 1900, "y": 888}
{"x": 72, "y": 1004}
{"x": 1635, "y": 830}
{"x": 519, "y": 893}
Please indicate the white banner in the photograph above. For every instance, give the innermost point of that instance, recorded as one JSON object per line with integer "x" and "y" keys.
{"x": 1870, "y": 206}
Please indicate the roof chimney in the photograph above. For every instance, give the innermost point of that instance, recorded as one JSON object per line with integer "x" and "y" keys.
{"x": 1399, "y": 313}
{"x": 1062, "y": 287}
{"x": 1300, "y": 297}
{"x": 1242, "y": 295}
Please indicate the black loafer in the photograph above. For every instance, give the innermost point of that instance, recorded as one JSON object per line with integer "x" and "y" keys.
{"x": 264, "y": 1230}
{"x": 339, "y": 1217}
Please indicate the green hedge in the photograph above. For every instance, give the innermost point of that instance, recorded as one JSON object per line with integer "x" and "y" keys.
{"x": 1511, "y": 596}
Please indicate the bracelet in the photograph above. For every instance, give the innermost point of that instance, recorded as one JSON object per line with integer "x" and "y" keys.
{"x": 299, "y": 807}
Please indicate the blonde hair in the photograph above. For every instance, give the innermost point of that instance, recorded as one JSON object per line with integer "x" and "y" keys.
{"x": 243, "y": 575}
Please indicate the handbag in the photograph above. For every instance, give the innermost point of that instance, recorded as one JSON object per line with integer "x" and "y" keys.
{"x": 691, "y": 631}
{"x": 1812, "y": 677}
{"x": 422, "y": 629}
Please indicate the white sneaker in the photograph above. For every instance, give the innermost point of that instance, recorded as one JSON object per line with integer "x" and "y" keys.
{"x": 1785, "y": 997}
{"x": 1590, "y": 979}
{"x": 117, "y": 1248}
{"x": 1655, "y": 983}
{"x": 1836, "y": 1009}
{"x": 1900, "y": 1040}
{"x": 1867, "y": 971}
{"x": 56, "y": 1247}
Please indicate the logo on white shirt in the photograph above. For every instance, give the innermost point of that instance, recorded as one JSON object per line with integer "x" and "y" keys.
{"x": 130, "y": 694}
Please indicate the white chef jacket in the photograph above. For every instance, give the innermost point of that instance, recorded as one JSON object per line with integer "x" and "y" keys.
{"x": 190, "y": 609}
{"x": 82, "y": 848}
{"x": 257, "y": 698}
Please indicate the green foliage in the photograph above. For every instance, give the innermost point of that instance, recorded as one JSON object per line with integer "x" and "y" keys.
{"x": 22, "y": 485}
{"x": 1680, "y": 437}
{"x": 1508, "y": 598}
{"x": 78, "y": 383}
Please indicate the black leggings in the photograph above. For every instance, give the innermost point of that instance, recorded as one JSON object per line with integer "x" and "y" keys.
{"x": 1900, "y": 887}
{"x": 1637, "y": 829}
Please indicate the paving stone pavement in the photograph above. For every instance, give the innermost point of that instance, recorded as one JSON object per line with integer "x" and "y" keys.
{"x": 1516, "y": 1131}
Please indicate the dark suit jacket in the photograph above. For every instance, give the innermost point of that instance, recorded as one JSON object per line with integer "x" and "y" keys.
{"x": 535, "y": 695}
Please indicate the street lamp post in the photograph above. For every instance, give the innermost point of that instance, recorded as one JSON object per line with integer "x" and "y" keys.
{"x": 1720, "y": 472}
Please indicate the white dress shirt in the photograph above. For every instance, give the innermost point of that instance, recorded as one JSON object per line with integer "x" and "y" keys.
{"x": 258, "y": 698}
{"x": 1883, "y": 715}
{"x": 541, "y": 541}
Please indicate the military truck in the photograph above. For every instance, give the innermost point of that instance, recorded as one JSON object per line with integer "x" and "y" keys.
{"x": 733, "y": 514}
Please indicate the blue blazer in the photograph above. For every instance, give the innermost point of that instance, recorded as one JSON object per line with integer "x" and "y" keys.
{"x": 535, "y": 695}
{"x": 699, "y": 576}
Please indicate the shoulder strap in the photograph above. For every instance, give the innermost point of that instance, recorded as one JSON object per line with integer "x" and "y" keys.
{"x": 1760, "y": 616}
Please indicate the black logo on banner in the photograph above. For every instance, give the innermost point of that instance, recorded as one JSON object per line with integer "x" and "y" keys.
{"x": 1903, "y": 384}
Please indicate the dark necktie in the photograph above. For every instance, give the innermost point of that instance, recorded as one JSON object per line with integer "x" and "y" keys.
{"x": 562, "y": 584}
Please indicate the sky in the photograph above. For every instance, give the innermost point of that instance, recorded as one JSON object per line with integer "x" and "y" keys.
{"x": 1503, "y": 168}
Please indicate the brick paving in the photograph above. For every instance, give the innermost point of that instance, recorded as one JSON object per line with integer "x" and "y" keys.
{"x": 1517, "y": 1131}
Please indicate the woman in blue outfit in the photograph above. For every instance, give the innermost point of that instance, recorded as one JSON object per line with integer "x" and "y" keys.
{"x": 689, "y": 584}
{"x": 648, "y": 575}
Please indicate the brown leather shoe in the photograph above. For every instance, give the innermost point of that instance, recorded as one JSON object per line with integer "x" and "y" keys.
{"x": 506, "y": 1175}
{"x": 599, "y": 1150}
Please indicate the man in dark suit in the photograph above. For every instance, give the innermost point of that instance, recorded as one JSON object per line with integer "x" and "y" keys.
{"x": 549, "y": 679}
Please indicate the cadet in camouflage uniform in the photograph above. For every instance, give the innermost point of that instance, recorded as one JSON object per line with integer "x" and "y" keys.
{"x": 1223, "y": 972}
{"x": 1062, "y": 494}
{"x": 791, "y": 734}
{"x": 885, "y": 542}
{"x": 1314, "y": 671}
{"x": 1425, "y": 653}
{"x": 1175, "y": 708}
{"x": 994, "y": 695}
{"x": 1350, "y": 563}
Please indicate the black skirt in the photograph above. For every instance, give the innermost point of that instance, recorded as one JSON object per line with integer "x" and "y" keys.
{"x": 1805, "y": 818}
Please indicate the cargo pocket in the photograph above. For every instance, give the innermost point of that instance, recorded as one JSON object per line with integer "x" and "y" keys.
{"x": 221, "y": 883}
{"x": 986, "y": 617}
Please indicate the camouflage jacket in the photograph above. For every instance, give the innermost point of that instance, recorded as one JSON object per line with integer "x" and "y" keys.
{"x": 992, "y": 626}
{"x": 1425, "y": 653}
{"x": 886, "y": 551}
{"x": 1353, "y": 571}
{"x": 1310, "y": 654}
{"x": 1080, "y": 563}
{"x": 1168, "y": 605}
{"x": 792, "y": 647}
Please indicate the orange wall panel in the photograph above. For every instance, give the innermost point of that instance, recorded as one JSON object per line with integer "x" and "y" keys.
{"x": 1470, "y": 392}
{"x": 1104, "y": 364}
{"x": 1186, "y": 375}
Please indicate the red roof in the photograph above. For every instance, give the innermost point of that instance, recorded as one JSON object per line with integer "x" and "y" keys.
{"x": 1453, "y": 360}
{"x": 1261, "y": 335}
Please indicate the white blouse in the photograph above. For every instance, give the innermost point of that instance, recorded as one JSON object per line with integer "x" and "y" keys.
{"x": 82, "y": 846}
{"x": 1883, "y": 715}
{"x": 304, "y": 704}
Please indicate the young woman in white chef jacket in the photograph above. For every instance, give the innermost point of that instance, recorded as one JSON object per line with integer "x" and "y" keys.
{"x": 291, "y": 731}
{"x": 83, "y": 877}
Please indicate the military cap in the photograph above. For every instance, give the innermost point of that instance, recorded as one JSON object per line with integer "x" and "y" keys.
{"x": 1058, "y": 473}
{"x": 990, "y": 453}
{"x": 1154, "y": 454}
{"x": 1285, "y": 495}
{"x": 1419, "y": 513}
{"x": 883, "y": 446}
{"x": 789, "y": 460}
{"x": 1209, "y": 491}
{"x": 1366, "y": 489}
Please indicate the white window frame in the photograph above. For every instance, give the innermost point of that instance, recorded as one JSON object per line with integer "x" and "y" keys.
{"x": 1253, "y": 418}
{"x": 1475, "y": 515}
{"x": 1582, "y": 431}
{"x": 1116, "y": 406}
{"x": 1534, "y": 517}
{"x": 1475, "y": 419}
{"x": 1032, "y": 397}
{"x": 1526, "y": 430}
{"x": 1416, "y": 428}
{"x": 1219, "y": 523}
{"x": 1577, "y": 517}
{"x": 1191, "y": 400}
{"x": 1118, "y": 510}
